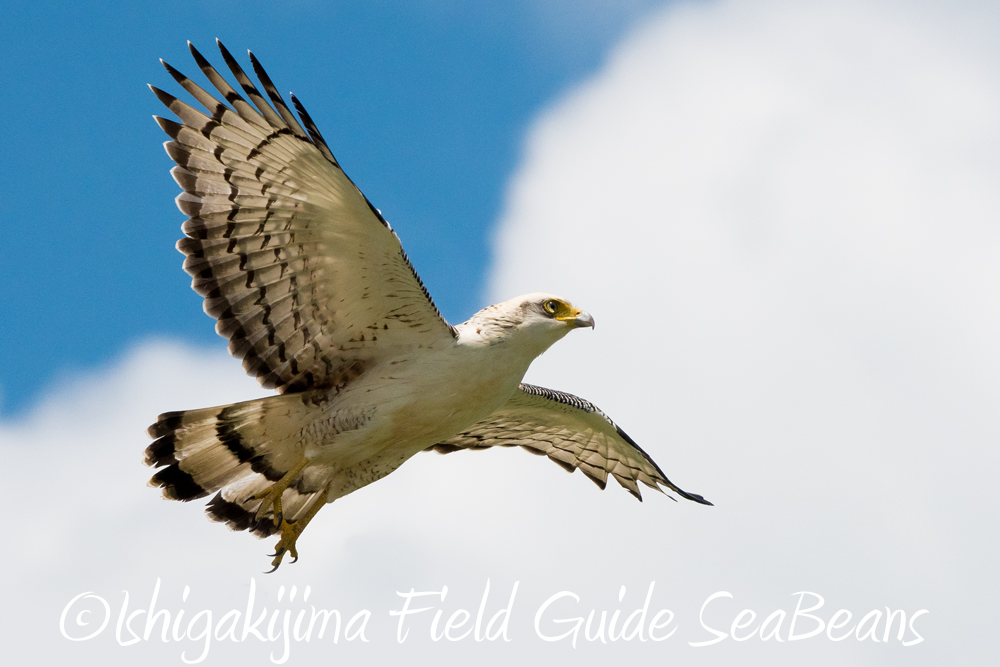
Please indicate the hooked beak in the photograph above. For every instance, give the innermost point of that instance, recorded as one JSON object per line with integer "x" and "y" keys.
{"x": 583, "y": 319}
{"x": 575, "y": 317}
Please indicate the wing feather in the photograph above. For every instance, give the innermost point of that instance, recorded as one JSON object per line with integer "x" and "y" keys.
{"x": 573, "y": 433}
{"x": 296, "y": 265}
{"x": 276, "y": 100}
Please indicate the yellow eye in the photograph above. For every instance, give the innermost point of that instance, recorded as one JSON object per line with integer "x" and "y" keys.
{"x": 551, "y": 307}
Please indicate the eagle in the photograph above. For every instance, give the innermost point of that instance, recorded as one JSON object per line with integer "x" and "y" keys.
{"x": 312, "y": 288}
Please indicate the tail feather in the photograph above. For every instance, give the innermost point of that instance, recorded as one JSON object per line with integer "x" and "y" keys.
{"x": 236, "y": 506}
{"x": 202, "y": 451}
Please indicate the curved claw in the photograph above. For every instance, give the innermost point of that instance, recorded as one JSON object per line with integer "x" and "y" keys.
{"x": 290, "y": 531}
{"x": 278, "y": 555}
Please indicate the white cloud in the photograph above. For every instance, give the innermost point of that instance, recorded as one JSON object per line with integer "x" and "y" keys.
{"x": 782, "y": 216}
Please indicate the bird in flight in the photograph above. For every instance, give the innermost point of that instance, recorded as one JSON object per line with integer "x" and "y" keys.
{"x": 312, "y": 289}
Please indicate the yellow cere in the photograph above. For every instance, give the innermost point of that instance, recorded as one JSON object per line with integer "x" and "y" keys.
{"x": 565, "y": 311}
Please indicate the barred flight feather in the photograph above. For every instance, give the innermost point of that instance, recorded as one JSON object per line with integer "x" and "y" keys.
{"x": 312, "y": 289}
{"x": 279, "y": 241}
{"x": 572, "y": 432}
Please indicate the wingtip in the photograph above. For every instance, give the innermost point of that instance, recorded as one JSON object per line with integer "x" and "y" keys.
{"x": 198, "y": 58}
{"x": 172, "y": 70}
{"x": 257, "y": 68}
{"x": 683, "y": 494}
{"x": 161, "y": 95}
{"x": 698, "y": 499}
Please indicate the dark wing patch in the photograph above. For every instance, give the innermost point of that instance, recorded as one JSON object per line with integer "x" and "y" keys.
{"x": 572, "y": 432}
{"x": 292, "y": 260}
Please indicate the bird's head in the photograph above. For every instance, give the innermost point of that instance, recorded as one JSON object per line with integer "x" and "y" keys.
{"x": 538, "y": 319}
{"x": 552, "y": 313}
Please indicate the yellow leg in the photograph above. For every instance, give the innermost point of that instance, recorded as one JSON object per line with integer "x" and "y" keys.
{"x": 272, "y": 494}
{"x": 290, "y": 530}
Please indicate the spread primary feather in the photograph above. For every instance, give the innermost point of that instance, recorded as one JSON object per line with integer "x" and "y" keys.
{"x": 317, "y": 298}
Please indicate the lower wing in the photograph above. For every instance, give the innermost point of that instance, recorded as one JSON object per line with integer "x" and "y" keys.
{"x": 572, "y": 432}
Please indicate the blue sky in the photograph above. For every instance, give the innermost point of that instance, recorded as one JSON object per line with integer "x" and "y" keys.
{"x": 424, "y": 103}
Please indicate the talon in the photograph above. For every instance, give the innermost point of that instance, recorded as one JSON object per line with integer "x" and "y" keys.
{"x": 290, "y": 531}
{"x": 278, "y": 554}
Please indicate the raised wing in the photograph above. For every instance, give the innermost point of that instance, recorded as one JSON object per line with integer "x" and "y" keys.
{"x": 572, "y": 432}
{"x": 306, "y": 278}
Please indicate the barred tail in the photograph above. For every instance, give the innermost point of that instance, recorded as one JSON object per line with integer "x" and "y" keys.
{"x": 237, "y": 450}
{"x": 236, "y": 506}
